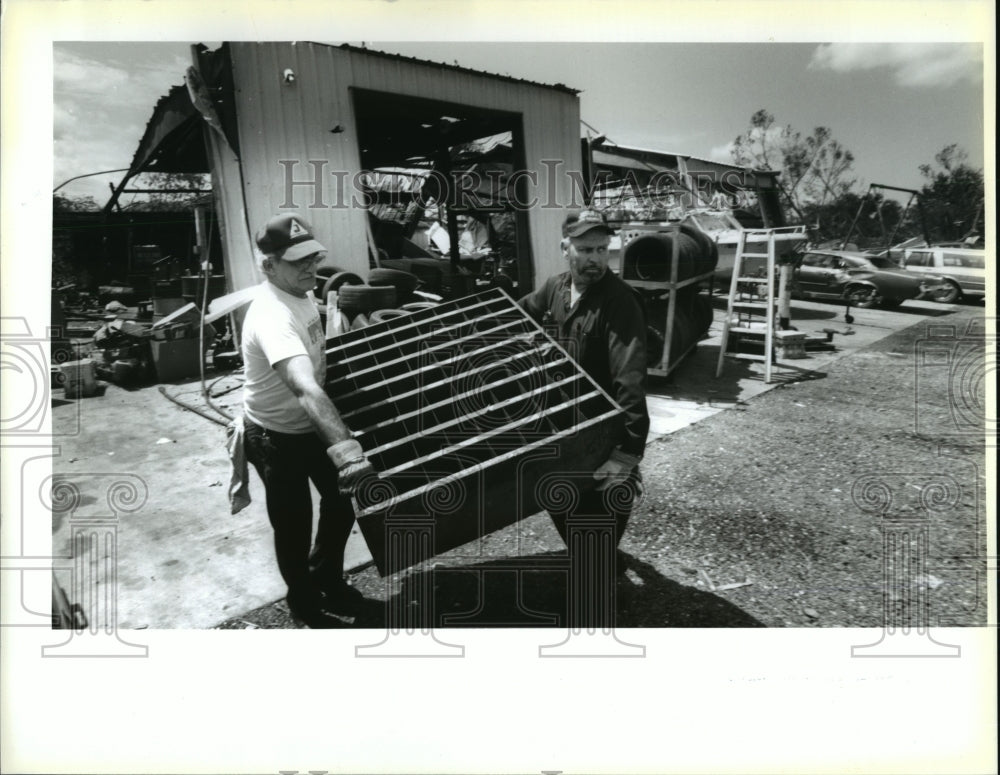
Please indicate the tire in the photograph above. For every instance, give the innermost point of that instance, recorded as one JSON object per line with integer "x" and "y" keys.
{"x": 654, "y": 347}
{"x": 381, "y": 315}
{"x": 950, "y": 295}
{"x": 323, "y": 274}
{"x": 862, "y": 296}
{"x": 366, "y": 298}
{"x": 338, "y": 280}
{"x": 327, "y": 272}
{"x": 404, "y": 282}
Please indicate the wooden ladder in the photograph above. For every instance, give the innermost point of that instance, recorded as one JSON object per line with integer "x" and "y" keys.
{"x": 750, "y": 296}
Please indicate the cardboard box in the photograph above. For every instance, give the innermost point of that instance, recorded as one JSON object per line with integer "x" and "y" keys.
{"x": 176, "y": 359}
{"x": 78, "y": 378}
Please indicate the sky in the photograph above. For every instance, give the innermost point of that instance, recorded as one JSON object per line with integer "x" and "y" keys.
{"x": 893, "y": 105}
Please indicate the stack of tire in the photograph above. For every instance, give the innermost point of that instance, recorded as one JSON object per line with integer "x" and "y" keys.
{"x": 692, "y": 318}
{"x": 388, "y": 293}
{"x": 649, "y": 257}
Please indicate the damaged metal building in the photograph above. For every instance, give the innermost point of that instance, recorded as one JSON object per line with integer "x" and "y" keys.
{"x": 312, "y": 126}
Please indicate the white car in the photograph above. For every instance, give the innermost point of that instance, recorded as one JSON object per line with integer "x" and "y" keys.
{"x": 963, "y": 270}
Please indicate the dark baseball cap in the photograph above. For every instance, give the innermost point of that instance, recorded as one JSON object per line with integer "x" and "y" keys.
{"x": 579, "y": 223}
{"x": 288, "y": 236}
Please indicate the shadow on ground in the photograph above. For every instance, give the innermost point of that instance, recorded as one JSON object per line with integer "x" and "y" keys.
{"x": 534, "y": 592}
{"x": 697, "y": 381}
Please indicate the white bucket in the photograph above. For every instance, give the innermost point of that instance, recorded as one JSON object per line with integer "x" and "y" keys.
{"x": 78, "y": 378}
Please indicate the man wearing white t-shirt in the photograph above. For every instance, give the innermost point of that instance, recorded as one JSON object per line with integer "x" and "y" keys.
{"x": 292, "y": 431}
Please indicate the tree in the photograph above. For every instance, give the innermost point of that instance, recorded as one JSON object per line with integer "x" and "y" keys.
{"x": 880, "y": 218}
{"x": 166, "y": 191}
{"x": 62, "y": 203}
{"x": 814, "y": 168}
{"x": 953, "y": 196}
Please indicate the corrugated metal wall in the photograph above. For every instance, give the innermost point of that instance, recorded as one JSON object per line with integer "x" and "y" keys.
{"x": 292, "y": 122}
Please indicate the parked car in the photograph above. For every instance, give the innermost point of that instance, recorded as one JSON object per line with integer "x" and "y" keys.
{"x": 963, "y": 270}
{"x": 862, "y": 280}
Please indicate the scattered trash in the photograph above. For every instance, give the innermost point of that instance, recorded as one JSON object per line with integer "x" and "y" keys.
{"x": 811, "y": 613}
{"x": 110, "y": 454}
{"x": 736, "y": 585}
{"x": 801, "y": 406}
{"x": 73, "y": 459}
{"x": 249, "y": 625}
{"x": 115, "y": 307}
{"x": 165, "y": 440}
{"x": 706, "y": 579}
{"x": 215, "y": 484}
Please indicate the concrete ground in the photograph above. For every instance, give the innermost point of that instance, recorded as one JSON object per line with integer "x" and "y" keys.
{"x": 184, "y": 561}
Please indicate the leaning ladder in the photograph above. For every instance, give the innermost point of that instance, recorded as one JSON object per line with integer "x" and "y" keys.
{"x": 751, "y": 296}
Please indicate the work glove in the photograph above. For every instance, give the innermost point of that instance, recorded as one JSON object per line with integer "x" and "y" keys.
{"x": 353, "y": 467}
{"x": 615, "y": 470}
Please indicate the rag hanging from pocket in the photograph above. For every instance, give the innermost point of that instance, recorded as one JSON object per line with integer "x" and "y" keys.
{"x": 239, "y": 481}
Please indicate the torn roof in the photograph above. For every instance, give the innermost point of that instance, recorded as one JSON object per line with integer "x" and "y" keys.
{"x": 656, "y": 157}
{"x": 172, "y": 139}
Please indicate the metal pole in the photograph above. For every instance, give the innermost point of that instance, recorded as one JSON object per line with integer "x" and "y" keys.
{"x": 843, "y": 245}
{"x": 784, "y": 296}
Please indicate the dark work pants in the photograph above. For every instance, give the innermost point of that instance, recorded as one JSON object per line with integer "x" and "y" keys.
{"x": 611, "y": 507}
{"x": 286, "y": 463}
{"x": 592, "y": 530}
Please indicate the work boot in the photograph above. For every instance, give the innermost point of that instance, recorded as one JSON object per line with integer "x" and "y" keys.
{"x": 308, "y": 608}
{"x": 342, "y": 598}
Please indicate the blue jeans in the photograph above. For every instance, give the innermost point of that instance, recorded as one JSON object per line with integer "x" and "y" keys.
{"x": 286, "y": 463}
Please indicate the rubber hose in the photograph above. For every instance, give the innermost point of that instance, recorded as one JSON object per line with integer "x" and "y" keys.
{"x": 194, "y": 409}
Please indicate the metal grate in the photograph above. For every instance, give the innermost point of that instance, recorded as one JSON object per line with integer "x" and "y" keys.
{"x": 466, "y": 410}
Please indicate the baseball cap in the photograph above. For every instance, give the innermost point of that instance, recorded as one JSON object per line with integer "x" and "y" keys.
{"x": 577, "y": 224}
{"x": 288, "y": 236}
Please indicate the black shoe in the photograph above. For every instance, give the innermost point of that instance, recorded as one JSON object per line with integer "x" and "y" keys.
{"x": 309, "y": 610}
{"x": 343, "y": 599}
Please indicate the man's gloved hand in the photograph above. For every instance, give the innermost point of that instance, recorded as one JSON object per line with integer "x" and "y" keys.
{"x": 352, "y": 465}
{"x": 353, "y": 475}
{"x": 615, "y": 470}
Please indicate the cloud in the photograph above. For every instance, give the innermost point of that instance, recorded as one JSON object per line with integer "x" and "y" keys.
{"x": 722, "y": 153}
{"x": 100, "y": 109}
{"x": 913, "y": 64}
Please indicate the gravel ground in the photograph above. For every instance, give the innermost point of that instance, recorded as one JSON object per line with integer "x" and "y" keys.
{"x": 764, "y": 496}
